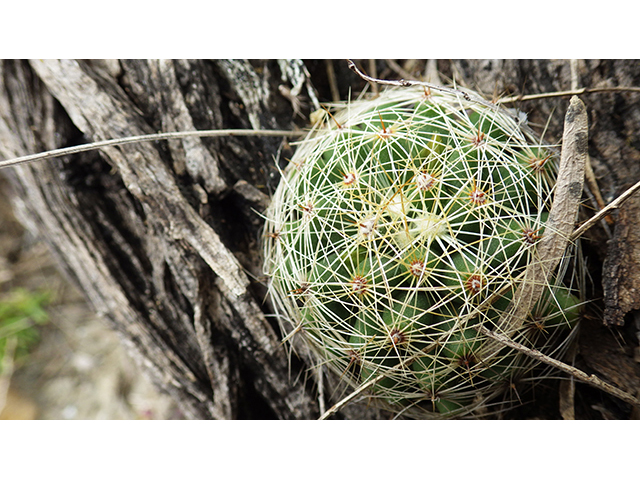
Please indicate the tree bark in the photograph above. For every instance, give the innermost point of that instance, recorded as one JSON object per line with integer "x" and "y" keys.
{"x": 164, "y": 238}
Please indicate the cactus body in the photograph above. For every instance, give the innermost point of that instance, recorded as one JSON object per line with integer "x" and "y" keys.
{"x": 401, "y": 226}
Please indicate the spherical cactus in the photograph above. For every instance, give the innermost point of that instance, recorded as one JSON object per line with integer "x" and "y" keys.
{"x": 402, "y": 225}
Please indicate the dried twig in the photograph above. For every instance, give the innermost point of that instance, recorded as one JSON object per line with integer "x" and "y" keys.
{"x": 565, "y": 93}
{"x": 408, "y": 83}
{"x": 605, "y": 211}
{"x": 337, "y": 406}
{"x": 574, "y": 372}
{"x": 148, "y": 138}
{"x": 468, "y": 96}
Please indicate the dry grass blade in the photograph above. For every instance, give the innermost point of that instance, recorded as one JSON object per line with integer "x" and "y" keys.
{"x": 577, "y": 91}
{"x": 146, "y": 138}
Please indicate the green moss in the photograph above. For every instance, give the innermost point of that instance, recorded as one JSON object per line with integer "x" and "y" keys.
{"x": 21, "y": 312}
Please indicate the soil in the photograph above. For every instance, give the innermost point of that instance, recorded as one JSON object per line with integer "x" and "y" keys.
{"x": 78, "y": 369}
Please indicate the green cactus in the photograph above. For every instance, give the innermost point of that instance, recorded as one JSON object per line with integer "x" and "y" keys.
{"x": 400, "y": 226}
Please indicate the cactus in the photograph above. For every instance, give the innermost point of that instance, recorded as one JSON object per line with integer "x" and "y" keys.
{"x": 400, "y": 226}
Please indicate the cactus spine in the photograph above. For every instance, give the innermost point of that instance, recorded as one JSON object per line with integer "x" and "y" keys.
{"x": 401, "y": 225}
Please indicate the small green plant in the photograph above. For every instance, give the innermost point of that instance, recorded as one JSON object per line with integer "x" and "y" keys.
{"x": 21, "y": 312}
{"x": 403, "y": 225}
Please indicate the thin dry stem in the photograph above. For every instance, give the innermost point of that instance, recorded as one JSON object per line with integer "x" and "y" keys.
{"x": 148, "y": 138}
{"x": 605, "y": 211}
{"x": 574, "y": 372}
{"x": 337, "y": 406}
{"x": 407, "y": 83}
{"x": 565, "y": 93}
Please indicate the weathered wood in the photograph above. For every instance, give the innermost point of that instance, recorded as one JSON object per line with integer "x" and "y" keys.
{"x": 163, "y": 238}
{"x": 622, "y": 265}
{"x": 140, "y": 238}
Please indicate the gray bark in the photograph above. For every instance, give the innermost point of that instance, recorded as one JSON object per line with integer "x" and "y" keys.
{"x": 164, "y": 238}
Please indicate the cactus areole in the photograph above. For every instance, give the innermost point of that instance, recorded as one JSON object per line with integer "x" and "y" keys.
{"x": 402, "y": 224}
